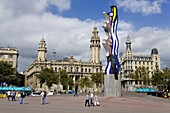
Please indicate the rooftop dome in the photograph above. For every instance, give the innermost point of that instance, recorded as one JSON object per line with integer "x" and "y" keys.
{"x": 154, "y": 51}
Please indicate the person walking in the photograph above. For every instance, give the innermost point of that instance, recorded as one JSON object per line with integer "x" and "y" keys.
{"x": 91, "y": 99}
{"x": 76, "y": 89}
{"x": 22, "y": 93}
{"x": 45, "y": 95}
{"x": 42, "y": 97}
{"x": 8, "y": 95}
{"x": 13, "y": 95}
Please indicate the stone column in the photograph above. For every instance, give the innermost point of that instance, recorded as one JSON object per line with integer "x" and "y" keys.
{"x": 112, "y": 87}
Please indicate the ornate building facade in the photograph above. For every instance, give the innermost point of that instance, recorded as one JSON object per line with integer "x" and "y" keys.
{"x": 74, "y": 68}
{"x": 131, "y": 61}
{"x": 9, "y": 55}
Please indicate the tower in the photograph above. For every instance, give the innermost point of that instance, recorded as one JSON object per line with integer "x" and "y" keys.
{"x": 155, "y": 58}
{"x": 128, "y": 45}
{"x": 95, "y": 46}
{"x": 128, "y": 61}
{"x": 42, "y": 50}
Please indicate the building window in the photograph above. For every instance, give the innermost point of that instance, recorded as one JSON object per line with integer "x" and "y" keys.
{"x": 156, "y": 63}
{"x": 65, "y": 68}
{"x": 77, "y": 69}
{"x": 96, "y": 70}
{"x": 140, "y": 82}
{"x": 59, "y": 69}
{"x": 1, "y": 55}
{"x": 89, "y": 70}
{"x": 71, "y": 69}
{"x": 128, "y": 62}
{"x": 85, "y": 69}
{"x": 128, "y": 67}
{"x": 56, "y": 69}
{"x": 81, "y": 69}
{"x": 10, "y": 56}
{"x": 136, "y": 82}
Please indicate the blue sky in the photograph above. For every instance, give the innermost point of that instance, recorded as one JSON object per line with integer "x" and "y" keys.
{"x": 67, "y": 27}
{"x": 84, "y": 9}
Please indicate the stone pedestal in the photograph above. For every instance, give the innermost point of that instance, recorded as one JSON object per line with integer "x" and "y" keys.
{"x": 112, "y": 87}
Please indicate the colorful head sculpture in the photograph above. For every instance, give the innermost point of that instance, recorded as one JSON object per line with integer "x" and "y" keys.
{"x": 111, "y": 43}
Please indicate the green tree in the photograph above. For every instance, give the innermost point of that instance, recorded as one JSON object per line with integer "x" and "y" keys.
{"x": 48, "y": 76}
{"x": 6, "y": 69}
{"x": 166, "y": 73}
{"x": 52, "y": 79}
{"x": 7, "y": 73}
{"x": 65, "y": 79}
{"x": 158, "y": 78}
{"x": 141, "y": 74}
{"x": 97, "y": 78}
{"x": 85, "y": 82}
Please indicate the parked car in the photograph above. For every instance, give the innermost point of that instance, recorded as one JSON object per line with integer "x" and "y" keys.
{"x": 50, "y": 93}
{"x": 34, "y": 94}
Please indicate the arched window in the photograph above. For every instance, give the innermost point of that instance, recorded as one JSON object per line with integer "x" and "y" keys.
{"x": 55, "y": 69}
{"x": 77, "y": 69}
{"x": 85, "y": 69}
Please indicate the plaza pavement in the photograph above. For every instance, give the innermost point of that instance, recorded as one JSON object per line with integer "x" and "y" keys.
{"x": 128, "y": 103}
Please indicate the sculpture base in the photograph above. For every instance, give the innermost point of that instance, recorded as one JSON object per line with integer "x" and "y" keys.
{"x": 112, "y": 87}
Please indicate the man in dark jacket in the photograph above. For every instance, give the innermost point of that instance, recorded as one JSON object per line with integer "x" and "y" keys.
{"x": 22, "y": 93}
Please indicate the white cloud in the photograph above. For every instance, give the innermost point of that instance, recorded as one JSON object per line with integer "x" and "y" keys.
{"x": 11, "y": 9}
{"x": 61, "y": 4}
{"x": 143, "y": 6}
{"x": 67, "y": 36}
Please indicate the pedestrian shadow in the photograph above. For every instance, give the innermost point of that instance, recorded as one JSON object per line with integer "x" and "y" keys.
{"x": 47, "y": 103}
{"x": 25, "y": 103}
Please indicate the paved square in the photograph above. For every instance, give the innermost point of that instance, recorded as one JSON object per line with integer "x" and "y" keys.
{"x": 71, "y": 104}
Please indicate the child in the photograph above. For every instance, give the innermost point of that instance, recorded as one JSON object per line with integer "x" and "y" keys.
{"x": 96, "y": 101}
{"x": 87, "y": 100}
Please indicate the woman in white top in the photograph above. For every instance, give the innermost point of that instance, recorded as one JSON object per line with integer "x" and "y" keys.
{"x": 91, "y": 99}
{"x": 42, "y": 97}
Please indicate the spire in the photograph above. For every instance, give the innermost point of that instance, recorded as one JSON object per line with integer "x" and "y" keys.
{"x": 128, "y": 39}
{"x": 95, "y": 32}
{"x": 128, "y": 44}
